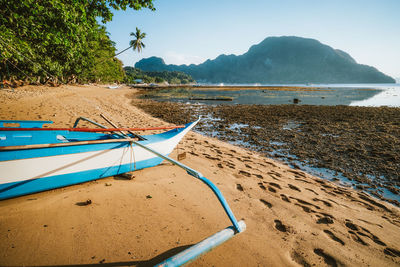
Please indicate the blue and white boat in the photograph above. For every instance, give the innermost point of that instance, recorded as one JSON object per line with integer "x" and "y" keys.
{"x": 34, "y": 159}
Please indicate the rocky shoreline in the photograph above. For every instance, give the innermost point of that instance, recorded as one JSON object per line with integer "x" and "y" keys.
{"x": 357, "y": 143}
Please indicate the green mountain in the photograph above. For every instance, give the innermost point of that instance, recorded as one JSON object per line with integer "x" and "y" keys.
{"x": 172, "y": 77}
{"x": 286, "y": 59}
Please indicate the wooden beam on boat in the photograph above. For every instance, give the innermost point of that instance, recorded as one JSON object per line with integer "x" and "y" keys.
{"x": 93, "y": 130}
{"x": 78, "y": 143}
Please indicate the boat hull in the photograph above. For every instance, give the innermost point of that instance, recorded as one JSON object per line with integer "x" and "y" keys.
{"x": 24, "y": 172}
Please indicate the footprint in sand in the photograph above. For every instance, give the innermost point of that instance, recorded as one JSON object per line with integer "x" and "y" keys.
{"x": 273, "y": 176}
{"x": 351, "y": 226}
{"x": 285, "y": 198}
{"x": 271, "y": 189}
{"x": 373, "y": 202}
{"x": 392, "y": 252}
{"x": 297, "y": 257}
{"x": 244, "y": 173}
{"x": 373, "y": 238}
{"x": 266, "y": 203}
{"x": 356, "y": 238}
{"x": 302, "y": 180}
{"x": 325, "y": 220}
{"x": 333, "y": 237}
{"x": 275, "y": 185}
{"x": 329, "y": 260}
{"x": 262, "y": 186}
{"x": 302, "y": 174}
{"x": 259, "y": 176}
{"x": 280, "y": 226}
{"x": 362, "y": 232}
{"x": 239, "y": 187}
{"x": 294, "y": 187}
{"x": 312, "y": 191}
{"x": 305, "y": 208}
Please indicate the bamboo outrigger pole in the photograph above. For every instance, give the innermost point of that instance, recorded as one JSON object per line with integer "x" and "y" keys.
{"x": 211, "y": 242}
{"x": 93, "y": 130}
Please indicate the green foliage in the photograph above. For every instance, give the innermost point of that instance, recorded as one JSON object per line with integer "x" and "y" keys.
{"x": 172, "y": 77}
{"x": 62, "y": 39}
{"x": 137, "y": 43}
{"x": 286, "y": 59}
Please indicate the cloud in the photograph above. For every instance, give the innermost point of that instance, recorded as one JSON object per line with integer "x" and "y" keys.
{"x": 172, "y": 57}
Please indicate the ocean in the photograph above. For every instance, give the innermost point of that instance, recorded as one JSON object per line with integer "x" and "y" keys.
{"x": 317, "y": 94}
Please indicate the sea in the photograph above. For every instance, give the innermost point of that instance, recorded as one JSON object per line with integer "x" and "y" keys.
{"x": 374, "y": 95}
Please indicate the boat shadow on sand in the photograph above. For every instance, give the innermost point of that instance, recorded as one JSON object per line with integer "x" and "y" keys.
{"x": 151, "y": 262}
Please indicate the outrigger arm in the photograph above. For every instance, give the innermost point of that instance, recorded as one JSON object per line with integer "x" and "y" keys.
{"x": 211, "y": 242}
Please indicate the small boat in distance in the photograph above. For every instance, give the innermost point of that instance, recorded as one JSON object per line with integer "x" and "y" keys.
{"x": 34, "y": 159}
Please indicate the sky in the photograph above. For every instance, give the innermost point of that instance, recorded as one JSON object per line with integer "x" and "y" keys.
{"x": 188, "y": 31}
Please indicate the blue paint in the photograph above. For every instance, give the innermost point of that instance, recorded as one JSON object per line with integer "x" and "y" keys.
{"x": 202, "y": 247}
{"x": 24, "y": 124}
{"x": 17, "y": 138}
{"x": 15, "y": 189}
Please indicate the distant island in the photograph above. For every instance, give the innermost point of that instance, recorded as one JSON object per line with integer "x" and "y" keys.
{"x": 135, "y": 75}
{"x": 286, "y": 59}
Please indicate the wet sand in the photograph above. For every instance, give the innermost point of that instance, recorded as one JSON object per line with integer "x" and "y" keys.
{"x": 292, "y": 218}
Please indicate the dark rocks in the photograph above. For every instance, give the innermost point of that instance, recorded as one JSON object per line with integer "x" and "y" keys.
{"x": 362, "y": 143}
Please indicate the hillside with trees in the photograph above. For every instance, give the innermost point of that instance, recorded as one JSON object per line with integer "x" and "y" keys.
{"x": 171, "y": 77}
{"x": 285, "y": 59}
{"x": 60, "y": 40}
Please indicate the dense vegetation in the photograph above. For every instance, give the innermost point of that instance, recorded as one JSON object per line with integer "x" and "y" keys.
{"x": 285, "y": 59}
{"x": 61, "y": 40}
{"x": 172, "y": 77}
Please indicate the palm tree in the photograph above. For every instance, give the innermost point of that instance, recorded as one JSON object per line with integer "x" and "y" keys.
{"x": 137, "y": 43}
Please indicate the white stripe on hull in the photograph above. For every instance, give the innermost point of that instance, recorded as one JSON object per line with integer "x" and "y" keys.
{"x": 26, "y": 169}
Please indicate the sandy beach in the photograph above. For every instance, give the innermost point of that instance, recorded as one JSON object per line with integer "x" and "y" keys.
{"x": 292, "y": 218}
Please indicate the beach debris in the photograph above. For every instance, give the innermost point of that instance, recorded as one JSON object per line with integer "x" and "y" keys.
{"x": 108, "y": 184}
{"x": 148, "y": 197}
{"x": 84, "y": 203}
{"x": 296, "y": 100}
{"x": 182, "y": 156}
{"x": 125, "y": 176}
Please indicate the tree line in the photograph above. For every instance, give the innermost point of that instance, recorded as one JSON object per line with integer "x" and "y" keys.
{"x": 60, "y": 40}
{"x": 135, "y": 75}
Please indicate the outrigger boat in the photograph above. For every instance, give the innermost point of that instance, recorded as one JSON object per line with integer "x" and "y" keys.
{"x": 35, "y": 159}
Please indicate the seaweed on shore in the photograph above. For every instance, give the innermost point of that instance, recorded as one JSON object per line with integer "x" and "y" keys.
{"x": 362, "y": 143}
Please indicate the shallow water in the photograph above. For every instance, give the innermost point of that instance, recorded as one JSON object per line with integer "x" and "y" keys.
{"x": 326, "y": 94}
